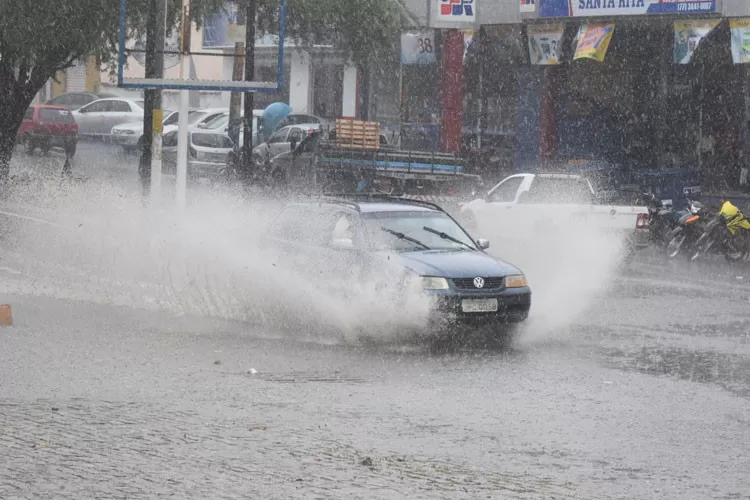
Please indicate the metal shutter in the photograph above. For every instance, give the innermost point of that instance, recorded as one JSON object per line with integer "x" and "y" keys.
{"x": 76, "y": 78}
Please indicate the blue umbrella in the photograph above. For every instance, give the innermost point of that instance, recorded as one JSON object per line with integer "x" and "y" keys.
{"x": 273, "y": 116}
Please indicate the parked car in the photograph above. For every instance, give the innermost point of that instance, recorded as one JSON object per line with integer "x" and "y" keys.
{"x": 129, "y": 135}
{"x": 207, "y": 153}
{"x": 357, "y": 240}
{"x": 45, "y": 127}
{"x": 76, "y": 100}
{"x": 221, "y": 122}
{"x": 283, "y": 140}
{"x": 525, "y": 206}
{"x": 96, "y": 119}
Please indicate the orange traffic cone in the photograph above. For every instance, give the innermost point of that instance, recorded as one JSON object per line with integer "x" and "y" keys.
{"x": 6, "y": 315}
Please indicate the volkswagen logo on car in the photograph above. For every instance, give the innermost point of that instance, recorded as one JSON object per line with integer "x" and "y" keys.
{"x": 479, "y": 282}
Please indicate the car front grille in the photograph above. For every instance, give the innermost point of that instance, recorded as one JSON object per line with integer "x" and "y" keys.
{"x": 468, "y": 283}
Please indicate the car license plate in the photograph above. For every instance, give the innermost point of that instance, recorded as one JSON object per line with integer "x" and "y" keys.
{"x": 479, "y": 305}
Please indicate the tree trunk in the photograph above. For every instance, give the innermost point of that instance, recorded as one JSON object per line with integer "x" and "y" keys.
{"x": 10, "y": 121}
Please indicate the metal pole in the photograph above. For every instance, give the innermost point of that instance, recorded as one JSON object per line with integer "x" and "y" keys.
{"x": 155, "y": 29}
{"x": 158, "y": 114}
{"x": 400, "y": 102}
{"x": 247, "y": 143}
{"x": 235, "y": 103}
{"x": 182, "y": 133}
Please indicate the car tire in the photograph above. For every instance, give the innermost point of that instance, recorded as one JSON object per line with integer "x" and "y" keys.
{"x": 70, "y": 148}
{"x": 28, "y": 144}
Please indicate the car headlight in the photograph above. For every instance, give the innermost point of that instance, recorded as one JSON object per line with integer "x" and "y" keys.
{"x": 516, "y": 281}
{"x": 434, "y": 283}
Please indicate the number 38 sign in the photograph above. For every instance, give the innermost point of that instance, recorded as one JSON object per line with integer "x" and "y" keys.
{"x": 418, "y": 48}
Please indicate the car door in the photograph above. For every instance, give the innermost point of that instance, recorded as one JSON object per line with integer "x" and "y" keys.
{"x": 501, "y": 214}
{"x": 90, "y": 117}
{"x": 121, "y": 112}
{"x": 276, "y": 142}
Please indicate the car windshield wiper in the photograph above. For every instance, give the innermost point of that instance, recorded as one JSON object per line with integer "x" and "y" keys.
{"x": 448, "y": 237}
{"x": 402, "y": 236}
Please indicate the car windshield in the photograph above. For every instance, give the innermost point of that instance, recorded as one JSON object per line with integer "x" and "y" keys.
{"x": 409, "y": 231}
{"x": 217, "y": 121}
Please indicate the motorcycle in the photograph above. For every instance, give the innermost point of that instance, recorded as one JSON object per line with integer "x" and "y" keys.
{"x": 690, "y": 227}
{"x": 728, "y": 233}
{"x": 661, "y": 219}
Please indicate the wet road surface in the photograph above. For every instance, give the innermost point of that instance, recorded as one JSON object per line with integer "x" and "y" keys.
{"x": 644, "y": 395}
{"x": 645, "y": 398}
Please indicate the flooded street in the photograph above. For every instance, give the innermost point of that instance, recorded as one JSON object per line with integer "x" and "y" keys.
{"x": 118, "y": 403}
{"x": 643, "y": 395}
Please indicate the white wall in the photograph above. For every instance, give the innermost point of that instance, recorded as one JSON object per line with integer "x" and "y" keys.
{"x": 299, "y": 82}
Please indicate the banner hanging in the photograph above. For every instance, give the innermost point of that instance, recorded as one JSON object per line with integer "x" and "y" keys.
{"x": 586, "y": 8}
{"x": 688, "y": 35}
{"x": 544, "y": 43}
{"x": 740, "y": 40}
{"x": 418, "y": 48}
{"x": 593, "y": 41}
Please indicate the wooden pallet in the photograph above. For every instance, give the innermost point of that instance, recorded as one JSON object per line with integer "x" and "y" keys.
{"x": 357, "y": 134}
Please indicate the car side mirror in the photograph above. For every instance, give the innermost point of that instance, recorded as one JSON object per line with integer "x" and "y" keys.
{"x": 483, "y": 244}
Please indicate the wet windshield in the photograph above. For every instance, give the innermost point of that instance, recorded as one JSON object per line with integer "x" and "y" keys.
{"x": 408, "y": 231}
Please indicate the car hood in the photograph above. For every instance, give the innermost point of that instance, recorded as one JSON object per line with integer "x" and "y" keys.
{"x": 135, "y": 126}
{"x": 454, "y": 264}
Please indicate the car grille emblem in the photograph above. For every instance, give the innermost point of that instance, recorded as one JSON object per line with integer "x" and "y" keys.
{"x": 479, "y": 282}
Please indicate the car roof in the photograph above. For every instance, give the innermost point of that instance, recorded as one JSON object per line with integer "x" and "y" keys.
{"x": 378, "y": 204}
{"x": 49, "y": 106}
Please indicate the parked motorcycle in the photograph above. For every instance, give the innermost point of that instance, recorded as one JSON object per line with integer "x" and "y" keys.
{"x": 690, "y": 227}
{"x": 728, "y": 233}
{"x": 662, "y": 220}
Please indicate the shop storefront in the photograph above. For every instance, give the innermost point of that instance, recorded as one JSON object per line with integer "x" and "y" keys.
{"x": 639, "y": 84}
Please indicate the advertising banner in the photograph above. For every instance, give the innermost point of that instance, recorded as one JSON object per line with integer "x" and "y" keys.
{"x": 593, "y": 41}
{"x": 740, "y": 40}
{"x": 528, "y": 5}
{"x": 544, "y": 43}
{"x": 418, "y": 48}
{"x": 688, "y": 35}
{"x": 468, "y": 38}
{"x": 453, "y": 13}
{"x": 582, "y": 8}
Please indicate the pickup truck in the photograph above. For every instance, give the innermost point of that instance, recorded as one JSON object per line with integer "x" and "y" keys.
{"x": 525, "y": 204}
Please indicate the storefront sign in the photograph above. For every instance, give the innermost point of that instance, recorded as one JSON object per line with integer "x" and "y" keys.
{"x": 544, "y": 43}
{"x": 418, "y": 48}
{"x": 740, "y": 40}
{"x": 528, "y": 5}
{"x": 582, "y": 8}
{"x": 687, "y": 37}
{"x": 453, "y": 13}
{"x": 593, "y": 41}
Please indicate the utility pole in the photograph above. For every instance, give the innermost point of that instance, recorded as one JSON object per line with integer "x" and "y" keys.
{"x": 247, "y": 146}
{"x": 152, "y": 115}
{"x": 235, "y": 103}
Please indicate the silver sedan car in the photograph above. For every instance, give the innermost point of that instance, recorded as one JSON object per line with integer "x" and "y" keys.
{"x": 96, "y": 119}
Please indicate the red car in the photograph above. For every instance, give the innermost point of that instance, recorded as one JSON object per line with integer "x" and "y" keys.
{"x": 47, "y": 126}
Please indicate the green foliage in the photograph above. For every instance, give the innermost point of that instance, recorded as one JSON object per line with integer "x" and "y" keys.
{"x": 365, "y": 30}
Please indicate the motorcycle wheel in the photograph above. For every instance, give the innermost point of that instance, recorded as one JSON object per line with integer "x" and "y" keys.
{"x": 702, "y": 246}
{"x": 737, "y": 248}
{"x": 675, "y": 245}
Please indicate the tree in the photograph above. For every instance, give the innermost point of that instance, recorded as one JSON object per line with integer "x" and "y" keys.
{"x": 38, "y": 38}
